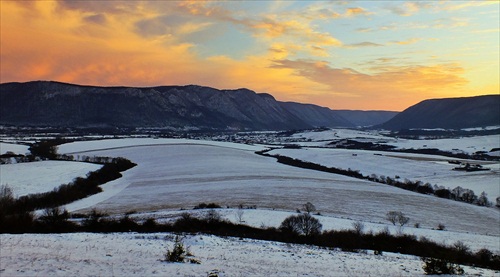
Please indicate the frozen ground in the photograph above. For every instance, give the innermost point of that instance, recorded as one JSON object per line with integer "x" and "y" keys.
{"x": 174, "y": 176}
{"x": 427, "y": 168}
{"x": 118, "y": 254}
{"x": 42, "y": 176}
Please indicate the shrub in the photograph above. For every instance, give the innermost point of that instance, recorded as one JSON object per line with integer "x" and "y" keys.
{"x": 56, "y": 219}
{"x": 213, "y": 216}
{"x": 461, "y": 247}
{"x": 178, "y": 253}
{"x": 359, "y": 227}
{"x": 384, "y": 232}
{"x": 484, "y": 255}
{"x": 303, "y": 224}
{"x": 94, "y": 220}
{"x": 207, "y": 206}
{"x": 434, "y": 266}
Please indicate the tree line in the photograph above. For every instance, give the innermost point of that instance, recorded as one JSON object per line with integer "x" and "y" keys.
{"x": 299, "y": 229}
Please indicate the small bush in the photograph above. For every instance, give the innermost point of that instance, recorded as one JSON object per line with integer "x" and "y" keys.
{"x": 484, "y": 255}
{"x": 441, "y": 227}
{"x": 384, "y": 232}
{"x": 434, "y": 266}
{"x": 207, "y": 206}
{"x": 359, "y": 227}
{"x": 461, "y": 247}
{"x": 303, "y": 224}
{"x": 213, "y": 216}
{"x": 178, "y": 253}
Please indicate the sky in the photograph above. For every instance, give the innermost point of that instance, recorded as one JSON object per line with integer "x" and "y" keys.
{"x": 367, "y": 55}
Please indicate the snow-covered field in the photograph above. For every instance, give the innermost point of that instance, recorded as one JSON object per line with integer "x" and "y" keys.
{"x": 174, "y": 174}
{"x": 468, "y": 145}
{"x": 181, "y": 175}
{"x": 106, "y": 144}
{"x": 14, "y": 148}
{"x": 42, "y": 176}
{"x": 426, "y": 168}
{"x": 83, "y": 254}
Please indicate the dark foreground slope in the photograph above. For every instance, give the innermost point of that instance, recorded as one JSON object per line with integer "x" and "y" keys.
{"x": 54, "y": 104}
{"x": 449, "y": 113}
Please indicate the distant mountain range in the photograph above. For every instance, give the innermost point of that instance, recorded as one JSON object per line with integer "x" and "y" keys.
{"x": 448, "y": 113}
{"x": 55, "y": 104}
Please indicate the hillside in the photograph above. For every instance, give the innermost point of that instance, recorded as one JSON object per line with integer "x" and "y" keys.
{"x": 54, "y": 104}
{"x": 317, "y": 116}
{"x": 449, "y": 113}
{"x": 366, "y": 118}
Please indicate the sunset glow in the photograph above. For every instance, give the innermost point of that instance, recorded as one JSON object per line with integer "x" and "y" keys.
{"x": 377, "y": 55}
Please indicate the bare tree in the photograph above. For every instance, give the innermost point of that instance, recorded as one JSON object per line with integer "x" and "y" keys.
{"x": 392, "y": 217}
{"x": 309, "y": 207}
{"x": 359, "y": 227}
{"x": 402, "y": 220}
{"x": 239, "y": 215}
{"x": 6, "y": 197}
{"x": 397, "y": 218}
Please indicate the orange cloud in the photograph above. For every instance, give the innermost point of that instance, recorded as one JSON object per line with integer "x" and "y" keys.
{"x": 392, "y": 87}
{"x": 356, "y": 11}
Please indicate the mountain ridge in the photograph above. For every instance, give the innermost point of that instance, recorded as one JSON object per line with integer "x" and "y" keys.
{"x": 448, "y": 113}
{"x": 50, "y": 103}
